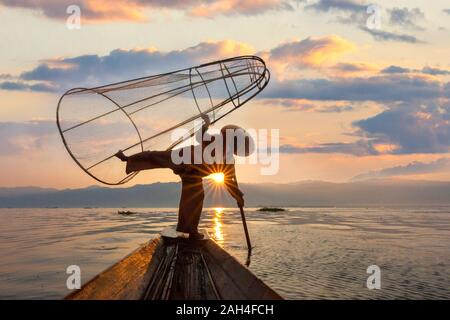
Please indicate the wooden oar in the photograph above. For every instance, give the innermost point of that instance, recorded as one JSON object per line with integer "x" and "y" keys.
{"x": 244, "y": 222}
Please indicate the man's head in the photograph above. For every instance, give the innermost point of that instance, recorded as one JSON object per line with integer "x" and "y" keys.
{"x": 238, "y": 139}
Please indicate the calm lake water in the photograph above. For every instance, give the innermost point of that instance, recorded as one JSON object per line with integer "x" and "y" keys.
{"x": 307, "y": 253}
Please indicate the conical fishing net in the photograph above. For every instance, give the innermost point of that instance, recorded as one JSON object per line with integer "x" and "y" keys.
{"x": 142, "y": 114}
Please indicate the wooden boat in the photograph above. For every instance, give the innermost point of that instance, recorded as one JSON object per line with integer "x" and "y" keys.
{"x": 170, "y": 268}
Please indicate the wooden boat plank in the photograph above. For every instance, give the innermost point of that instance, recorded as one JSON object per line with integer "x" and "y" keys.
{"x": 250, "y": 285}
{"x": 228, "y": 290}
{"x": 176, "y": 269}
{"x": 191, "y": 280}
{"x": 158, "y": 286}
{"x": 126, "y": 280}
{"x": 238, "y": 273}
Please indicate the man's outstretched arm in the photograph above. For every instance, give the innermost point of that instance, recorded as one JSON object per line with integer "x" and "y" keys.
{"x": 205, "y": 127}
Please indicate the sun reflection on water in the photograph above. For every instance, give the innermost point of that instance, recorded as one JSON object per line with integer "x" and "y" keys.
{"x": 218, "y": 234}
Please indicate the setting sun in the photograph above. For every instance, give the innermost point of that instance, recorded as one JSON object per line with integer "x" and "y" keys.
{"x": 217, "y": 177}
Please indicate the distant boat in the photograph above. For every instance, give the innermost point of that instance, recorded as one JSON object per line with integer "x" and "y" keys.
{"x": 168, "y": 268}
{"x": 269, "y": 209}
{"x": 126, "y": 213}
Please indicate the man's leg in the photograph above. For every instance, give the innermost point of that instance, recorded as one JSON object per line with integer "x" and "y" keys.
{"x": 149, "y": 160}
{"x": 191, "y": 204}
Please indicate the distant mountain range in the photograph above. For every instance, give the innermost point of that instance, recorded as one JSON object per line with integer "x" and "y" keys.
{"x": 308, "y": 193}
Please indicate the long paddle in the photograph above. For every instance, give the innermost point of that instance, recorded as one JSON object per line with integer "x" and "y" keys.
{"x": 244, "y": 223}
{"x": 247, "y": 236}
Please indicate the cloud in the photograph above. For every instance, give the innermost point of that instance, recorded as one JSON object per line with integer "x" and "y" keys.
{"x": 21, "y": 86}
{"x": 353, "y": 67}
{"x": 425, "y": 70}
{"x": 351, "y": 12}
{"x": 336, "y": 109}
{"x": 91, "y": 10}
{"x": 413, "y": 120}
{"x": 309, "y": 106}
{"x": 412, "y": 168}
{"x": 230, "y": 7}
{"x": 395, "y": 69}
{"x": 381, "y": 35}
{"x": 406, "y": 18}
{"x": 6, "y": 76}
{"x": 355, "y": 13}
{"x": 285, "y": 61}
{"x": 347, "y": 69}
{"x": 413, "y": 127}
{"x": 332, "y": 95}
{"x": 93, "y": 70}
{"x": 406, "y": 128}
{"x": 416, "y": 118}
{"x": 308, "y": 53}
{"x": 383, "y": 88}
{"x": 435, "y": 71}
{"x": 119, "y": 64}
{"x": 39, "y": 135}
{"x": 340, "y": 5}
{"x": 358, "y": 148}
{"x": 21, "y": 137}
{"x": 133, "y": 10}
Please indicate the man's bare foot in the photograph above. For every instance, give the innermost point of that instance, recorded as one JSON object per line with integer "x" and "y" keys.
{"x": 196, "y": 236}
{"x": 121, "y": 155}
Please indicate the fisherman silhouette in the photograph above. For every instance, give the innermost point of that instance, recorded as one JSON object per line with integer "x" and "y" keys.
{"x": 236, "y": 141}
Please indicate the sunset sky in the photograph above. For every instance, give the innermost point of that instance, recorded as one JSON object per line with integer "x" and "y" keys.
{"x": 351, "y": 102}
